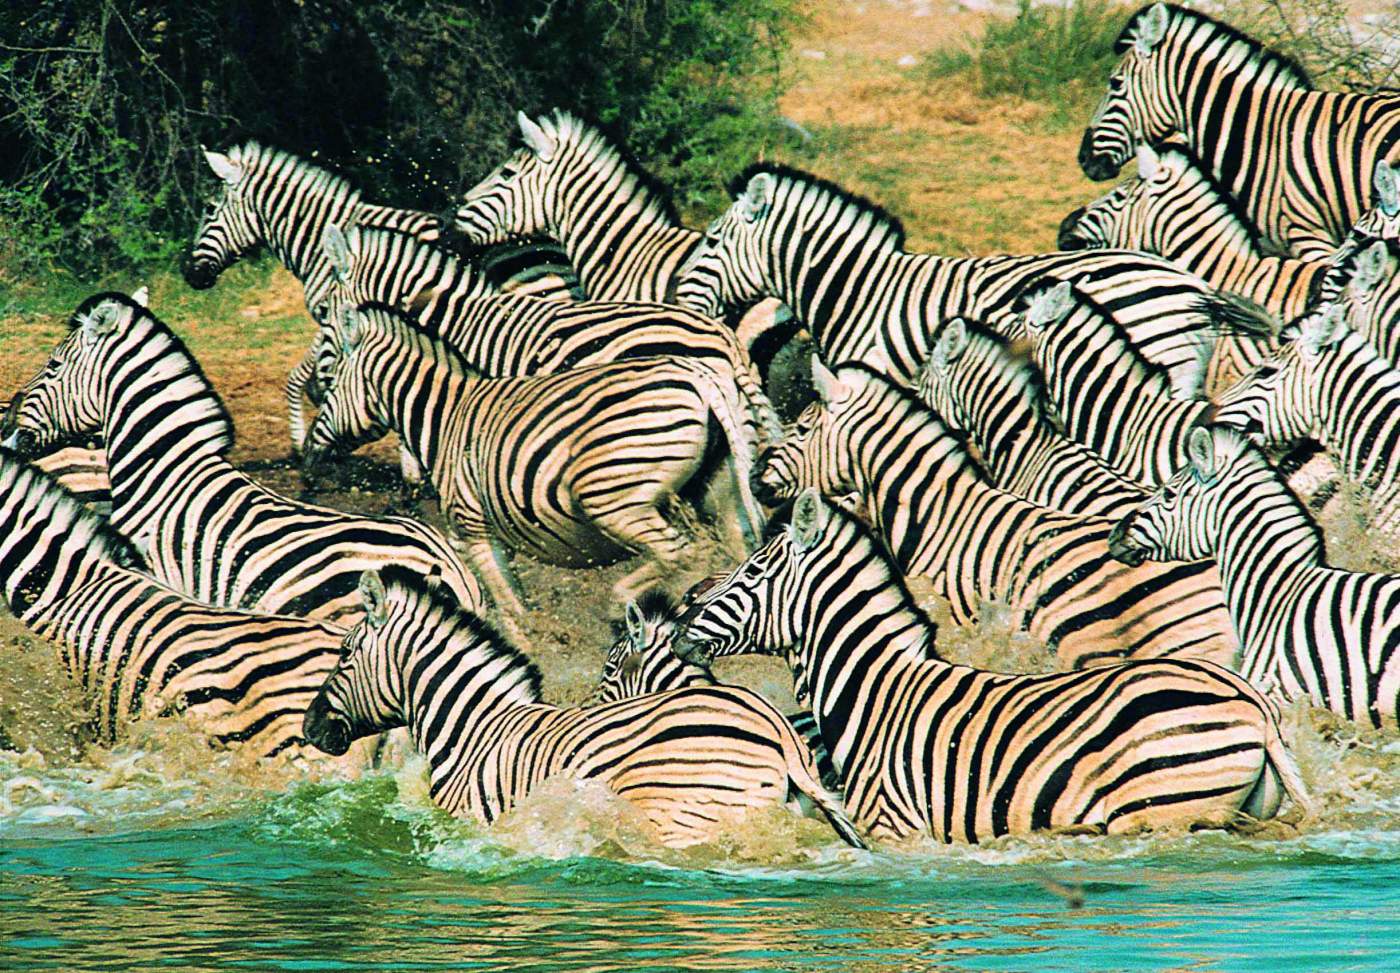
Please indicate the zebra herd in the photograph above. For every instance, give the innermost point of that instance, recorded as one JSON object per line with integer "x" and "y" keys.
{"x": 1099, "y": 439}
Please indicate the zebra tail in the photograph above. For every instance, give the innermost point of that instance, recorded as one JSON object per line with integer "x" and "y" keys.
{"x": 802, "y": 771}
{"x": 760, "y": 407}
{"x": 1232, "y": 313}
{"x": 1286, "y": 766}
{"x": 723, "y": 396}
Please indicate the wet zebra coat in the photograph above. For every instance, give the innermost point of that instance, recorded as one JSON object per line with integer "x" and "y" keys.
{"x": 925, "y": 746}
{"x": 839, "y": 262}
{"x": 980, "y": 384}
{"x": 872, "y": 444}
{"x": 1300, "y": 161}
{"x": 138, "y": 648}
{"x": 578, "y": 468}
{"x": 1308, "y": 631}
{"x": 692, "y": 760}
{"x": 205, "y": 528}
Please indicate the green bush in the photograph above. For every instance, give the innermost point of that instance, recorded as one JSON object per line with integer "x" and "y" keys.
{"x": 103, "y": 103}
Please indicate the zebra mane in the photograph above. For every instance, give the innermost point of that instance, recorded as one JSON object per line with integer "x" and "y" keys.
{"x": 404, "y": 326}
{"x": 1259, "y": 53}
{"x": 264, "y": 160}
{"x": 599, "y": 145}
{"x": 449, "y": 621}
{"x": 196, "y": 383}
{"x": 69, "y": 516}
{"x": 1221, "y": 195}
{"x": 655, "y": 604}
{"x": 883, "y": 226}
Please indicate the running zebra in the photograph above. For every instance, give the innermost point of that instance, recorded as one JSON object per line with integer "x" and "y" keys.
{"x": 135, "y": 647}
{"x": 1300, "y": 161}
{"x": 614, "y": 221}
{"x": 692, "y": 760}
{"x": 502, "y": 336}
{"x": 1330, "y": 385}
{"x": 576, "y": 469}
{"x": 839, "y": 262}
{"x": 871, "y": 442}
{"x": 1307, "y": 630}
{"x": 203, "y": 527}
{"x": 924, "y": 746}
{"x": 640, "y": 661}
{"x": 988, "y": 388}
{"x": 1177, "y": 209}
{"x": 1107, "y": 397}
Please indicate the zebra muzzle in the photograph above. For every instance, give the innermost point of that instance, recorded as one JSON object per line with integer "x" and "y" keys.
{"x": 324, "y": 728}
{"x": 1066, "y": 239}
{"x": 1121, "y": 548}
{"x": 689, "y": 650}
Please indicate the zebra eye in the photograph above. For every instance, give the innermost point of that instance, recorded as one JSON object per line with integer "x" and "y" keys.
{"x": 508, "y": 173}
{"x": 1115, "y": 84}
{"x": 1168, "y": 495}
{"x": 1266, "y": 371}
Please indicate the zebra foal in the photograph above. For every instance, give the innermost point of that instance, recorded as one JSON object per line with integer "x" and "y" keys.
{"x": 691, "y": 760}
{"x": 925, "y": 746}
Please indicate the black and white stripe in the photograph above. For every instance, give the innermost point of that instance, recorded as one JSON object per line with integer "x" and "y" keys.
{"x": 925, "y": 746}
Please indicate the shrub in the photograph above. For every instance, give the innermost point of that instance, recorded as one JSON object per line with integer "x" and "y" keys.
{"x": 106, "y": 101}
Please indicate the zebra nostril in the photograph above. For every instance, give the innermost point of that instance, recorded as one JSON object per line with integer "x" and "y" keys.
{"x": 1067, "y": 239}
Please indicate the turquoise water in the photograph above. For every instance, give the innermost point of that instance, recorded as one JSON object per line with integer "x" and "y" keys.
{"x": 127, "y": 866}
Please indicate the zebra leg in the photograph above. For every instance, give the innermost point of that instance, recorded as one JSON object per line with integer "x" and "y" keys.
{"x": 642, "y": 527}
{"x": 296, "y": 395}
{"x": 492, "y": 567}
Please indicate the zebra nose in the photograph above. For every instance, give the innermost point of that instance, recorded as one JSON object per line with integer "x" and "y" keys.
{"x": 763, "y": 490}
{"x": 1066, "y": 239}
{"x": 324, "y": 728}
{"x": 1097, "y": 167}
{"x": 199, "y": 274}
{"x": 1120, "y": 548}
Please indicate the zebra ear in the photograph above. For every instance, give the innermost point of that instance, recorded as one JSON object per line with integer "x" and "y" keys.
{"x": 1050, "y": 306}
{"x": 831, "y": 390}
{"x": 1370, "y": 266}
{"x": 636, "y": 627}
{"x": 1323, "y": 329}
{"x": 101, "y": 321}
{"x": 1151, "y": 29}
{"x": 351, "y": 330}
{"x": 757, "y": 197}
{"x": 372, "y": 596}
{"x": 337, "y": 250}
{"x": 1148, "y": 161}
{"x": 809, "y": 517}
{"x": 224, "y": 167}
{"x": 952, "y": 342}
{"x": 1200, "y": 450}
{"x": 142, "y": 296}
{"x": 537, "y": 139}
{"x": 1387, "y": 192}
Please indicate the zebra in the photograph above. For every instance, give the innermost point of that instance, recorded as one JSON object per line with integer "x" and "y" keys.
{"x": 839, "y": 262}
{"x": 640, "y": 661}
{"x": 872, "y": 441}
{"x": 1107, "y": 397}
{"x": 615, "y": 222}
{"x": 1330, "y": 385}
{"x": 205, "y": 528}
{"x": 1364, "y": 282}
{"x": 268, "y": 196}
{"x": 1300, "y": 161}
{"x": 502, "y": 336}
{"x": 690, "y": 760}
{"x": 1308, "y": 631}
{"x": 80, "y": 470}
{"x": 924, "y": 746}
{"x": 987, "y": 387}
{"x": 574, "y": 469}
{"x": 1177, "y": 209}
{"x": 137, "y": 648}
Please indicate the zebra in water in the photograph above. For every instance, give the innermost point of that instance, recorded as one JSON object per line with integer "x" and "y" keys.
{"x": 1108, "y": 398}
{"x": 640, "y": 661}
{"x": 871, "y": 442}
{"x": 1300, "y": 161}
{"x": 137, "y": 648}
{"x": 268, "y": 196}
{"x": 614, "y": 221}
{"x": 503, "y": 336}
{"x": 691, "y": 760}
{"x": 1307, "y": 630}
{"x": 204, "y": 527}
{"x": 1176, "y": 208}
{"x": 839, "y": 262}
{"x": 575, "y": 469}
{"x": 987, "y": 387}
{"x": 926, "y": 746}
{"x": 1330, "y": 385}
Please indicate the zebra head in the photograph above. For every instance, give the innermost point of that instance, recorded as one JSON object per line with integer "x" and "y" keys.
{"x": 229, "y": 226}
{"x": 937, "y": 381}
{"x": 65, "y": 402}
{"x": 1179, "y": 521}
{"x": 729, "y": 266}
{"x": 1130, "y": 215}
{"x": 350, "y": 411}
{"x": 1282, "y": 400}
{"x": 1382, "y": 220}
{"x": 1139, "y": 105}
{"x": 518, "y": 198}
{"x": 746, "y": 611}
{"x": 364, "y": 692}
{"x": 640, "y": 660}
{"x": 815, "y": 450}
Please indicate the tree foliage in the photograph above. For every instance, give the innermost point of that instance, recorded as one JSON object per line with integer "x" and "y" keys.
{"x": 103, "y": 103}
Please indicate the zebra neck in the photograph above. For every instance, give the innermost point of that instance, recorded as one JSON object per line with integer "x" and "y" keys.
{"x": 45, "y": 554}
{"x": 1006, "y": 425}
{"x": 607, "y": 223}
{"x": 417, "y": 397}
{"x": 815, "y": 280}
{"x": 1359, "y": 412}
{"x": 294, "y": 235}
